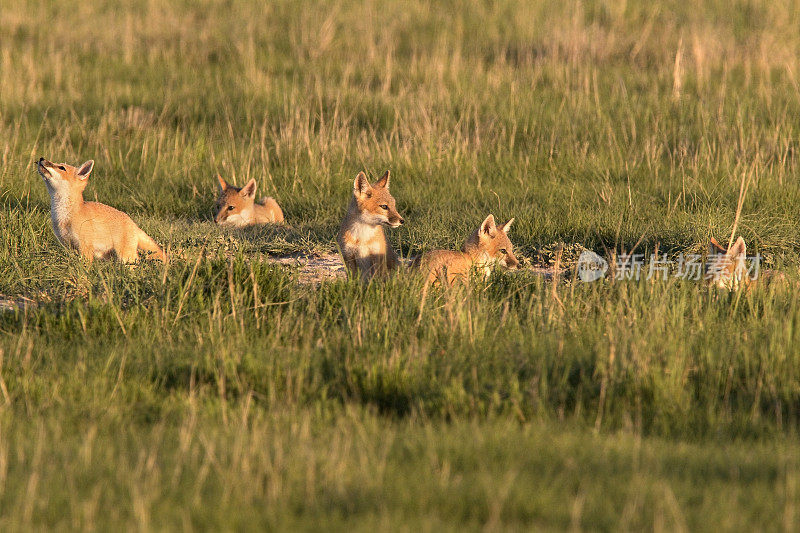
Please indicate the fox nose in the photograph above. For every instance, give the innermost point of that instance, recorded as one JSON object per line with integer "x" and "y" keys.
{"x": 402, "y": 220}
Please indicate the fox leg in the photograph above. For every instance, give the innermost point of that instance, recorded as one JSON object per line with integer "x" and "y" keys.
{"x": 381, "y": 266}
{"x": 149, "y": 245}
{"x": 431, "y": 278}
{"x": 391, "y": 262}
{"x": 364, "y": 269}
{"x": 376, "y": 267}
{"x": 87, "y": 251}
{"x": 128, "y": 252}
{"x": 351, "y": 265}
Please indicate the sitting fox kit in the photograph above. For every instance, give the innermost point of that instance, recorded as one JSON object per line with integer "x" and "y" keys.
{"x": 361, "y": 240}
{"x": 94, "y": 229}
{"x": 237, "y": 207}
{"x": 488, "y": 246}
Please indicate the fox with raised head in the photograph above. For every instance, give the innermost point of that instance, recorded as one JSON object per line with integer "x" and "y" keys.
{"x": 361, "y": 239}
{"x": 237, "y": 207}
{"x": 96, "y": 230}
{"x": 488, "y": 246}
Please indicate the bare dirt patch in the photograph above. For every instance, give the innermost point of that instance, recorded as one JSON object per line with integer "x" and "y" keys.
{"x": 319, "y": 268}
{"x": 313, "y": 268}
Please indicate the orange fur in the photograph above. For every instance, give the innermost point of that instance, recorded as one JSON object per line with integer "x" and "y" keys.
{"x": 726, "y": 268}
{"x": 488, "y": 245}
{"x": 238, "y": 207}
{"x": 94, "y": 229}
{"x": 361, "y": 240}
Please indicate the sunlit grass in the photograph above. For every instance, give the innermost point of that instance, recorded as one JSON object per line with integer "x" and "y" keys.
{"x": 220, "y": 393}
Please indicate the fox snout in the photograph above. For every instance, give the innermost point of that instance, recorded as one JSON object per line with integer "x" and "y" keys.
{"x": 396, "y": 220}
{"x": 42, "y": 164}
{"x": 221, "y": 215}
{"x": 511, "y": 262}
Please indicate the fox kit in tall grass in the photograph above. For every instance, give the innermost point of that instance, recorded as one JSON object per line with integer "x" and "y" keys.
{"x": 237, "y": 207}
{"x": 94, "y": 229}
{"x": 488, "y": 246}
{"x": 361, "y": 239}
{"x": 727, "y": 269}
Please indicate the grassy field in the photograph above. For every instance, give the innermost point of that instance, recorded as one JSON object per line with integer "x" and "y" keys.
{"x": 222, "y": 394}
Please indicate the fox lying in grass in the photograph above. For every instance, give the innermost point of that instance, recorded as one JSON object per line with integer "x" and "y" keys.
{"x": 94, "y": 229}
{"x": 488, "y": 246}
{"x": 238, "y": 207}
{"x": 361, "y": 240}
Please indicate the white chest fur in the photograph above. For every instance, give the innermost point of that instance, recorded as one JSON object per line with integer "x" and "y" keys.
{"x": 365, "y": 239}
{"x": 61, "y": 214}
{"x": 484, "y": 264}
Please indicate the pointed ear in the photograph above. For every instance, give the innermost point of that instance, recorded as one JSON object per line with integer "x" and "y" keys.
{"x": 361, "y": 186}
{"x": 223, "y": 185}
{"x": 739, "y": 249}
{"x": 383, "y": 183}
{"x": 714, "y": 247}
{"x": 488, "y": 227}
{"x": 85, "y": 169}
{"x": 505, "y": 227}
{"x": 249, "y": 190}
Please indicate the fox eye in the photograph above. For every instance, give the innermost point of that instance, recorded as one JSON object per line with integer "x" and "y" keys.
{"x": 230, "y": 208}
{"x": 384, "y": 206}
{"x": 61, "y": 167}
{"x": 503, "y": 251}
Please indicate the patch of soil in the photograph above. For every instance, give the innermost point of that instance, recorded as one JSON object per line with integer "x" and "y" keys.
{"x": 314, "y": 268}
{"x": 318, "y": 268}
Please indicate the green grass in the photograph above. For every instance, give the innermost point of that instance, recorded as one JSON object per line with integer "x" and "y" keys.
{"x": 221, "y": 394}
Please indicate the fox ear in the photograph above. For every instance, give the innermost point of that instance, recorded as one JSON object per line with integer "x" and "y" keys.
{"x": 715, "y": 248}
{"x": 384, "y": 181}
{"x": 739, "y": 249}
{"x": 249, "y": 190}
{"x": 488, "y": 226}
{"x": 223, "y": 185}
{"x": 361, "y": 186}
{"x": 85, "y": 169}
{"x": 505, "y": 227}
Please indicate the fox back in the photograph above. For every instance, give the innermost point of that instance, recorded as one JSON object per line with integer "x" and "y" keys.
{"x": 94, "y": 229}
{"x": 361, "y": 240}
{"x": 237, "y": 206}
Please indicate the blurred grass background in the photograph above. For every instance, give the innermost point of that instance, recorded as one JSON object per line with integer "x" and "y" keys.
{"x": 222, "y": 394}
